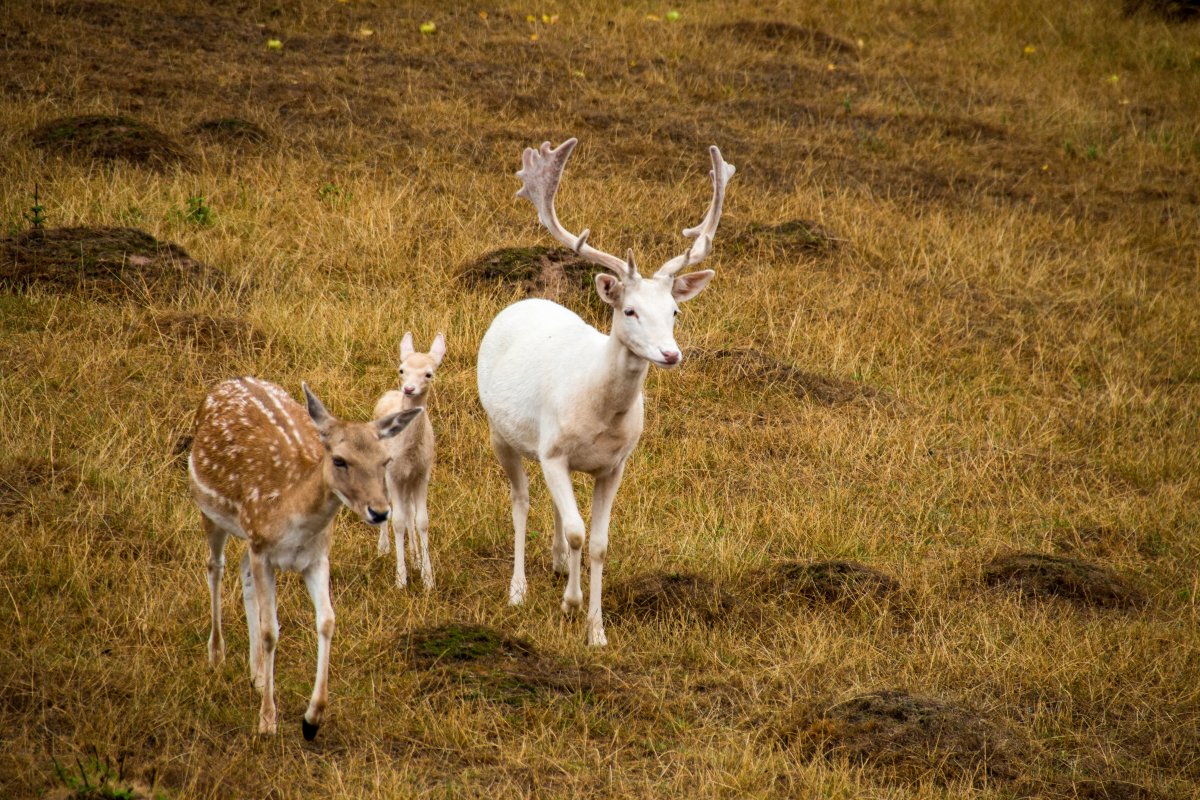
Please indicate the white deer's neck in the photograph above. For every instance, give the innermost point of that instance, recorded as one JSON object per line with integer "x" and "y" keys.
{"x": 619, "y": 379}
{"x": 413, "y": 401}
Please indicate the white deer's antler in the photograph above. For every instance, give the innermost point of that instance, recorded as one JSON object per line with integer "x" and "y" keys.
{"x": 704, "y": 232}
{"x": 540, "y": 175}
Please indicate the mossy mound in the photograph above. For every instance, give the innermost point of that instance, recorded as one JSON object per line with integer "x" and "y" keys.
{"x": 229, "y": 131}
{"x": 668, "y": 595}
{"x": 109, "y": 138}
{"x": 908, "y": 738}
{"x": 554, "y": 273}
{"x": 102, "y": 261}
{"x": 207, "y": 332}
{"x": 773, "y": 373}
{"x": 481, "y": 662}
{"x": 839, "y": 583}
{"x": 1041, "y": 576}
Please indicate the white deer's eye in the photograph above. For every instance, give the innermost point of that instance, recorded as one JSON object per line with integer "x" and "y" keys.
{"x": 629, "y": 312}
{"x": 428, "y": 374}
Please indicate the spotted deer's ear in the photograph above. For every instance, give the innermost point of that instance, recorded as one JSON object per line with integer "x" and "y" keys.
{"x": 318, "y": 412}
{"x": 389, "y": 426}
{"x": 437, "y": 351}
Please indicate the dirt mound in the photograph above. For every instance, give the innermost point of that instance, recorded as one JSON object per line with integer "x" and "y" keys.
{"x": 24, "y": 477}
{"x": 840, "y": 583}
{"x": 107, "y": 138}
{"x": 1039, "y": 575}
{"x": 206, "y": 332}
{"x": 229, "y": 131}
{"x": 1112, "y": 790}
{"x": 775, "y": 32}
{"x": 668, "y": 595}
{"x": 768, "y": 371}
{"x": 101, "y": 261}
{"x": 539, "y": 271}
{"x": 1170, "y": 10}
{"x": 793, "y": 237}
{"x": 908, "y": 737}
{"x": 483, "y": 662}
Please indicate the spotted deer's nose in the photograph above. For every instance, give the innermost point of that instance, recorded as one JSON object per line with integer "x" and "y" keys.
{"x": 377, "y": 517}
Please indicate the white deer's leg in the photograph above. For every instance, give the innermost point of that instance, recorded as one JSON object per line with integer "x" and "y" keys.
{"x": 518, "y": 483}
{"x": 216, "y": 570}
{"x": 399, "y": 523}
{"x": 385, "y": 542}
{"x": 250, "y": 602}
{"x": 421, "y": 504}
{"x": 559, "y": 548}
{"x": 316, "y": 578}
{"x": 558, "y": 481}
{"x": 263, "y": 575}
{"x": 602, "y": 500}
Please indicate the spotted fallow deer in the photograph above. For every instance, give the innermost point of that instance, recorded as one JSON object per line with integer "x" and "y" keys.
{"x": 561, "y": 393}
{"x": 265, "y": 470}
{"x": 412, "y": 458}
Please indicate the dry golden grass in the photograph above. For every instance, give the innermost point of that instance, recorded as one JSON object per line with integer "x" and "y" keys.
{"x": 986, "y": 213}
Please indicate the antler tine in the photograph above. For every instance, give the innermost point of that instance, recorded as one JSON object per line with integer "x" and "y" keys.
{"x": 707, "y": 229}
{"x": 542, "y": 170}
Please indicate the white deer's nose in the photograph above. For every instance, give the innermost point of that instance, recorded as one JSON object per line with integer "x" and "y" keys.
{"x": 671, "y": 356}
{"x": 410, "y": 390}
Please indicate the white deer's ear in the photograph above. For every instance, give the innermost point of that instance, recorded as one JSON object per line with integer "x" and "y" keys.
{"x": 389, "y": 426}
{"x": 406, "y": 346}
{"x": 685, "y": 287}
{"x": 437, "y": 350}
{"x": 610, "y": 289}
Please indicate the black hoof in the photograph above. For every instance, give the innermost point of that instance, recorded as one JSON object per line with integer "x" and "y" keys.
{"x": 310, "y": 731}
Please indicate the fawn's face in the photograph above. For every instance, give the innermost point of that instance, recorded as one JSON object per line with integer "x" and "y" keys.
{"x": 417, "y": 369}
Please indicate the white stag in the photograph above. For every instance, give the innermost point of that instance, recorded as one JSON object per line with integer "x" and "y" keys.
{"x": 560, "y": 392}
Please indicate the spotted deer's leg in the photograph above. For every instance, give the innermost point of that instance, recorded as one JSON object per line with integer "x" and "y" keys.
{"x": 216, "y": 570}
{"x": 263, "y": 575}
{"x": 316, "y": 579}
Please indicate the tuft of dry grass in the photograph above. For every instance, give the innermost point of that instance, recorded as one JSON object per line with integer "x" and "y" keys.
{"x": 955, "y": 317}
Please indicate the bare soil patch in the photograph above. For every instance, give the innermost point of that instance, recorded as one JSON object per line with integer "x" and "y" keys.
{"x": 776, "y": 32}
{"x": 835, "y": 583}
{"x": 1170, "y": 10}
{"x": 102, "y": 262}
{"x": 1112, "y": 790}
{"x": 908, "y": 738}
{"x": 771, "y": 372}
{"x": 793, "y": 237}
{"x": 232, "y": 132}
{"x": 109, "y": 138}
{"x": 481, "y": 662}
{"x": 23, "y": 478}
{"x": 1039, "y": 575}
{"x": 206, "y": 332}
{"x": 668, "y": 596}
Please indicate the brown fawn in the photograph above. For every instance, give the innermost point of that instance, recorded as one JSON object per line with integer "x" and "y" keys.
{"x": 266, "y": 471}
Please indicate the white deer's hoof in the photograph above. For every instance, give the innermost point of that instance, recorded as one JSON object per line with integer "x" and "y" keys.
{"x": 216, "y": 653}
{"x": 266, "y": 727}
{"x": 561, "y": 566}
{"x": 516, "y": 592}
{"x": 571, "y": 605}
{"x": 401, "y": 581}
{"x": 596, "y": 637}
{"x": 385, "y": 545}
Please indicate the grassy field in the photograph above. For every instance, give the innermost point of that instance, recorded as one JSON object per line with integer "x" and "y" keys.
{"x": 954, "y": 322}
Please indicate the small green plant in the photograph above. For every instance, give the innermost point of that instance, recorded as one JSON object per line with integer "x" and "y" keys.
{"x": 1069, "y": 147}
{"x": 95, "y": 779}
{"x": 846, "y": 104}
{"x": 131, "y": 215}
{"x": 1092, "y": 152}
{"x": 36, "y": 215}
{"x": 333, "y": 195}
{"x": 198, "y": 211}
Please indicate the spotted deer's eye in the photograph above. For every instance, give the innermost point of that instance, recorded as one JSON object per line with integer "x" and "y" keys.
{"x": 629, "y": 312}
{"x": 339, "y": 462}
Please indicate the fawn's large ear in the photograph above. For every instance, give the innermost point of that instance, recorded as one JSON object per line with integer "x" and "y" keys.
{"x": 389, "y": 426}
{"x": 437, "y": 350}
{"x": 406, "y": 346}
{"x": 316, "y": 410}
{"x": 610, "y": 289}
{"x": 685, "y": 287}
